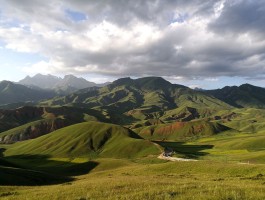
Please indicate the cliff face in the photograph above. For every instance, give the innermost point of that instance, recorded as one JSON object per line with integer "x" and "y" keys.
{"x": 35, "y": 130}
{"x": 22, "y": 113}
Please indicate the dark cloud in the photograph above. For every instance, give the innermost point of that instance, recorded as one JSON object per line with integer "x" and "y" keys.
{"x": 158, "y": 12}
{"x": 241, "y": 16}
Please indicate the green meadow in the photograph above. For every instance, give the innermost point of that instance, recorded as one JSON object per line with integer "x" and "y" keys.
{"x": 150, "y": 179}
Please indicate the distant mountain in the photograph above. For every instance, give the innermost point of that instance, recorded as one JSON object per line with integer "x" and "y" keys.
{"x": 245, "y": 95}
{"x": 66, "y": 85}
{"x": 72, "y": 81}
{"x": 41, "y": 81}
{"x": 198, "y": 89}
{"x": 14, "y": 93}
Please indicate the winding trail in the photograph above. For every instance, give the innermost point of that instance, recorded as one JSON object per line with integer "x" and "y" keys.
{"x": 161, "y": 156}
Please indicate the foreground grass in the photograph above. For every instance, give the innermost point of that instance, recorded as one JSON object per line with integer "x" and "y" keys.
{"x": 246, "y": 148}
{"x": 153, "y": 179}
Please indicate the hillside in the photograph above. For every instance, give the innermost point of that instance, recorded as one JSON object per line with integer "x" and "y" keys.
{"x": 30, "y": 122}
{"x": 33, "y": 129}
{"x": 89, "y": 139}
{"x": 242, "y": 96}
{"x": 13, "y": 93}
{"x": 181, "y": 131}
{"x": 128, "y": 100}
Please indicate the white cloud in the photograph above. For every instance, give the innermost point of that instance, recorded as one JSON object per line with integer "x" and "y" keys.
{"x": 180, "y": 39}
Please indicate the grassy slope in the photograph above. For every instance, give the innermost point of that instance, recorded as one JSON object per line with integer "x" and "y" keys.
{"x": 57, "y": 156}
{"x": 86, "y": 139}
{"x": 171, "y": 180}
{"x": 236, "y": 148}
{"x": 248, "y": 120}
{"x": 19, "y": 176}
{"x": 48, "y": 120}
{"x": 181, "y": 131}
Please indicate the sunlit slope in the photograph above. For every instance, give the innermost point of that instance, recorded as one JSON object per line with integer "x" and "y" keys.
{"x": 89, "y": 139}
{"x": 250, "y": 120}
{"x": 240, "y": 147}
{"x": 181, "y": 130}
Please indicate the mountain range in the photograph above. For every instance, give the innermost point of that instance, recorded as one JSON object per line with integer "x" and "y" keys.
{"x": 135, "y": 103}
{"x": 141, "y": 97}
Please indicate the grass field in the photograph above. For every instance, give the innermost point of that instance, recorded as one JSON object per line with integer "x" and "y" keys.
{"x": 134, "y": 179}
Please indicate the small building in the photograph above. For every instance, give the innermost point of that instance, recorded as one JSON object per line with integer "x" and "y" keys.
{"x": 168, "y": 152}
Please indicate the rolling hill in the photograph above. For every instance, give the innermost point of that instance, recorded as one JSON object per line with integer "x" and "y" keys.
{"x": 88, "y": 139}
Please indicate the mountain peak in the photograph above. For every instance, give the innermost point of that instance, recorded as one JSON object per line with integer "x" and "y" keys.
{"x": 69, "y": 76}
{"x": 247, "y": 85}
{"x": 40, "y": 80}
{"x": 123, "y": 81}
{"x": 6, "y": 82}
{"x": 152, "y": 83}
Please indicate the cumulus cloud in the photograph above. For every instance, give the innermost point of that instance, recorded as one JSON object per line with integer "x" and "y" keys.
{"x": 187, "y": 39}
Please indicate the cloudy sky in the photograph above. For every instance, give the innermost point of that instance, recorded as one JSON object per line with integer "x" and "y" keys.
{"x": 204, "y": 43}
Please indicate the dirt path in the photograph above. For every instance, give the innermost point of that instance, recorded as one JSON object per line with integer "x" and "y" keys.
{"x": 161, "y": 156}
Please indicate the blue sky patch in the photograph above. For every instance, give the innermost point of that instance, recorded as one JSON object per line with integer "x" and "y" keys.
{"x": 75, "y": 16}
{"x": 180, "y": 17}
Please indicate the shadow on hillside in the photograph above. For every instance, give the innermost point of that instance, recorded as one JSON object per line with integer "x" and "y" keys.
{"x": 188, "y": 151}
{"x": 41, "y": 170}
{"x": 2, "y": 150}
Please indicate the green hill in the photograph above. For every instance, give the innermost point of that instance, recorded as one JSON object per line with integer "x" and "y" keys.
{"x": 181, "y": 131}
{"x": 89, "y": 139}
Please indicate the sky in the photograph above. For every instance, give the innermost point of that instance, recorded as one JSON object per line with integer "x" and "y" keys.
{"x": 197, "y": 43}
